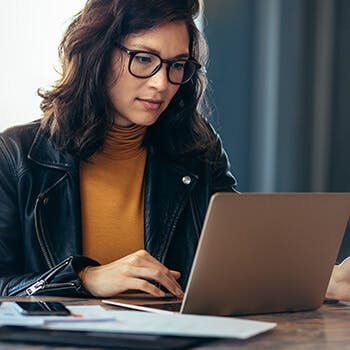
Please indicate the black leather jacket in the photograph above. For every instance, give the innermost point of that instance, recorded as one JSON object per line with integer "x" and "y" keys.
{"x": 40, "y": 222}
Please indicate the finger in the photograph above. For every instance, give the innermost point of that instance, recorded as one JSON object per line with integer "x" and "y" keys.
{"x": 158, "y": 275}
{"x": 145, "y": 286}
{"x": 152, "y": 260}
{"x": 171, "y": 273}
{"x": 176, "y": 274}
{"x": 143, "y": 259}
{"x": 153, "y": 273}
{"x": 171, "y": 277}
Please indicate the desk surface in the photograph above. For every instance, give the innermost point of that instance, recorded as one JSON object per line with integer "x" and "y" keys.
{"x": 326, "y": 328}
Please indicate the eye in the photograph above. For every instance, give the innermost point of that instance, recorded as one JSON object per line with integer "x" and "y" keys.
{"x": 143, "y": 58}
{"x": 179, "y": 65}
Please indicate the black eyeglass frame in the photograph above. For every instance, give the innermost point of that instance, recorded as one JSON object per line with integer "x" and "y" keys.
{"x": 133, "y": 53}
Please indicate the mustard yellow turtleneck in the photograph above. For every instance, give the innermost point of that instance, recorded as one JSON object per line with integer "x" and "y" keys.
{"x": 112, "y": 201}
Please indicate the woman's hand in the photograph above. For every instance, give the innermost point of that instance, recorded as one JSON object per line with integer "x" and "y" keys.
{"x": 339, "y": 284}
{"x": 134, "y": 272}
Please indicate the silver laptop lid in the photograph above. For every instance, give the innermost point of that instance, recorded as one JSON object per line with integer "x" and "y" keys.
{"x": 262, "y": 253}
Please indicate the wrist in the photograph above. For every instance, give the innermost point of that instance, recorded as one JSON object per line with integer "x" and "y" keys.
{"x": 82, "y": 274}
{"x": 88, "y": 278}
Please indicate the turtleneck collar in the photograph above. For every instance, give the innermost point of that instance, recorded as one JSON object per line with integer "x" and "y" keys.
{"x": 124, "y": 142}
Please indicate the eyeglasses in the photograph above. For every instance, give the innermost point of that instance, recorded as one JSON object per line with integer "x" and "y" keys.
{"x": 144, "y": 64}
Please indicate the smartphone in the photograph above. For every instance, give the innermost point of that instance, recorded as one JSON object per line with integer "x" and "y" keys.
{"x": 41, "y": 308}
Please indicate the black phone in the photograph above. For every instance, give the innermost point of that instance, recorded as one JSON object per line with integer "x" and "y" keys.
{"x": 41, "y": 308}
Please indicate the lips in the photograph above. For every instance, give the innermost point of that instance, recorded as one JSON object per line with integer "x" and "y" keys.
{"x": 151, "y": 104}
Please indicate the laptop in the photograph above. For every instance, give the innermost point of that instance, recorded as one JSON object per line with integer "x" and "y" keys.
{"x": 261, "y": 253}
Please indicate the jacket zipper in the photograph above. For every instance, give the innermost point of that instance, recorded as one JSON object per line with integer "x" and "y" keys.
{"x": 39, "y": 229}
{"x": 42, "y": 283}
{"x": 35, "y": 287}
{"x": 39, "y": 234}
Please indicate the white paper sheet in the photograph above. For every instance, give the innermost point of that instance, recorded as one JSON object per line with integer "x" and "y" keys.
{"x": 176, "y": 324}
{"x": 96, "y": 318}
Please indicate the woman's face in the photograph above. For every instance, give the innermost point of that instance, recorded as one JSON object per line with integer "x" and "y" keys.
{"x": 141, "y": 101}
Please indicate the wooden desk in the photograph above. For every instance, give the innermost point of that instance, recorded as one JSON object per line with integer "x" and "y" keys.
{"x": 326, "y": 328}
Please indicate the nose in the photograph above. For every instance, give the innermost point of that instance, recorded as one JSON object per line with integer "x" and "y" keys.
{"x": 159, "y": 80}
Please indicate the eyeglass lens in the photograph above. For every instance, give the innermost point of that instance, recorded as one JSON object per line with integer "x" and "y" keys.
{"x": 146, "y": 64}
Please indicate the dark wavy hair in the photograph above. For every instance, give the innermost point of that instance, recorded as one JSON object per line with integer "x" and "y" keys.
{"x": 77, "y": 110}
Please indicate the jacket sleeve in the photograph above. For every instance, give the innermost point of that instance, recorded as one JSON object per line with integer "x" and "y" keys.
{"x": 62, "y": 279}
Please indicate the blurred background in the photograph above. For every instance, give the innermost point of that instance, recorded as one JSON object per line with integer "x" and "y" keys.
{"x": 279, "y": 81}
{"x": 280, "y": 75}
{"x": 30, "y": 32}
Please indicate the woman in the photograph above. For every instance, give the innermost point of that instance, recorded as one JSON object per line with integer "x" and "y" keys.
{"x": 108, "y": 191}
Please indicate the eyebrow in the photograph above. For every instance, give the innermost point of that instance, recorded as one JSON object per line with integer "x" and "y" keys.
{"x": 147, "y": 48}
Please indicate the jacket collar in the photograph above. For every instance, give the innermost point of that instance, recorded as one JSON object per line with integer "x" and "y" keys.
{"x": 44, "y": 152}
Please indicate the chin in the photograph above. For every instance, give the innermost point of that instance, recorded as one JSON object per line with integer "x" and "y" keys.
{"x": 147, "y": 121}
{"x": 142, "y": 120}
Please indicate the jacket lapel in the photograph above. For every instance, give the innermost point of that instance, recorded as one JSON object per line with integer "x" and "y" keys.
{"x": 43, "y": 152}
{"x": 167, "y": 189}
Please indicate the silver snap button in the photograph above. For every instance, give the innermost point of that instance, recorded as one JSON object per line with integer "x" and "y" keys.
{"x": 186, "y": 180}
